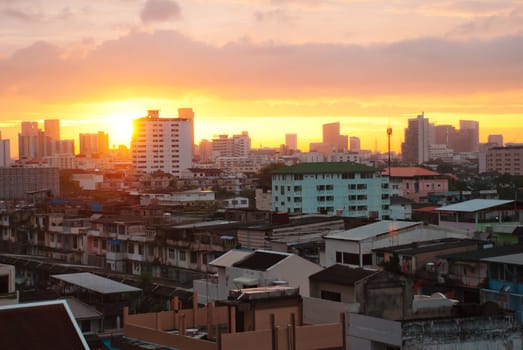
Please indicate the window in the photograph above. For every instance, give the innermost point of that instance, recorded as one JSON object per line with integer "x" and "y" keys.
{"x": 351, "y": 259}
{"x": 194, "y": 257}
{"x": 338, "y": 258}
{"x": 183, "y": 256}
{"x": 328, "y": 295}
{"x": 367, "y": 259}
{"x": 130, "y": 248}
{"x": 171, "y": 253}
{"x": 95, "y": 243}
{"x": 140, "y": 249}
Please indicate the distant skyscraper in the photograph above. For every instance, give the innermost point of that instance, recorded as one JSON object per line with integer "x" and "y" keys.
{"x": 163, "y": 144}
{"x": 291, "y": 142}
{"x": 469, "y": 130}
{"x": 31, "y": 142}
{"x": 52, "y": 129}
{"x": 415, "y": 148}
{"x": 205, "y": 150}
{"x": 355, "y": 145}
{"x": 332, "y": 137}
{"x": 94, "y": 143}
{"x": 496, "y": 139}
{"x": 5, "y": 153}
{"x": 236, "y": 146}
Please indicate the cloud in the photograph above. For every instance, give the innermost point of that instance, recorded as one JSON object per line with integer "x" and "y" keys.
{"x": 279, "y": 15}
{"x": 168, "y": 64}
{"x": 21, "y": 14}
{"x": 159, "y": 11}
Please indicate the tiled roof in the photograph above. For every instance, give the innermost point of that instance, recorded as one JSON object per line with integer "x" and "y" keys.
{"x": 409, "y": 172}
{"x": 341, "y": 274}
{"x": 43, "y": 326}
{"x": 261, "y": 260}
{"x": 324, "y": 168}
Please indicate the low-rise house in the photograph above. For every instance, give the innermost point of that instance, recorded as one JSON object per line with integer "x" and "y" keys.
{"x": 480, "y": 215}
{"x": 415, "y": 182}
{"x": 505, "y": 282}
{"x": 355, "y": 246}
{"x": 248, "y": 269}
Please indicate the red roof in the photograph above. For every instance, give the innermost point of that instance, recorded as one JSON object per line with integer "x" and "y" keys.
{"x": 426, "y": 209}
{"x": 409, "y": 172}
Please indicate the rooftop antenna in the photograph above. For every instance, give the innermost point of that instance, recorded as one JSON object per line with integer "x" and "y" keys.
{"x": 389, "y": 134}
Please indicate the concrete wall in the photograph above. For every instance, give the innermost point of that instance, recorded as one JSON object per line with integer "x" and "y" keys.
{"x": 365, "y": 332}
{"x": 318, "y": 311}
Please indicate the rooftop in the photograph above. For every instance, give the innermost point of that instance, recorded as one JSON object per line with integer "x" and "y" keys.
{"x": 474, "y": 205}
{"x": 45, "y": 325}
{"x": 486, "y": 252}
{"x": 372, "y": 230}
{"x": 96, "y": 283}
{"x": 342, "y": 274}
{"x": 261, "y": 260}
{"x": 409, "y": 172}
{"x": 429, "y": 246}
{"x": 514, "y": 259}
{"x": 323, "y": 168}
{"x": 231, "y": 257}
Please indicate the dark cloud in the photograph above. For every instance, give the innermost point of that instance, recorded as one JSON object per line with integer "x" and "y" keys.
{"x": 170, "y": 64}
{"x": 159, "y": 11}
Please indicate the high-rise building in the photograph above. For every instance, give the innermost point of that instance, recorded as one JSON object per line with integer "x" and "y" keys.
{"x": 505, "y": 160}
{"x": 94, "y": 143}
{"x": 415, "y": 148}
{"x": 5, "y": 153}
{"x": 355, "y": 145}
{"x": 235, "y": 146}
{"x": 31, "y": 142}
{"x": 291, "y": 142}
{"x": 205, "y": 151}
{"x": 469, "y": 131}
{"x": 163, "y": 144}
{"x": 52, "y": 129}
{"x": 496, "y": 139}
{"x": 332, "y": 137}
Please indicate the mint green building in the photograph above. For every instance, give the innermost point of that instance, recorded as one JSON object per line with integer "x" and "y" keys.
{"x": 348, "y": 189}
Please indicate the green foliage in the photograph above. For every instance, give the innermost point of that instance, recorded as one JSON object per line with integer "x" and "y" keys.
{"x": 265, "y": 175}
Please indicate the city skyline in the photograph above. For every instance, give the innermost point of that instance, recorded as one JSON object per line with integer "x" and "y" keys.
{"x": 238, "y": 64}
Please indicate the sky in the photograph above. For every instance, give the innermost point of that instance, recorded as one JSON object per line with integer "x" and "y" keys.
{"x": 268, "y": 67}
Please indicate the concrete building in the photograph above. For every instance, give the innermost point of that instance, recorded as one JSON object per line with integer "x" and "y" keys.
{"x": 496, "y": 139}
{"x": 17, "y": 183}
{"x": 291, "y": 142}
{"x": 415, "y": 148}
{"x": 333, "y": 138}
{"x": 52, "y": 129}
{"x": 97, "y": 143}
{"x": 347, "y": 189}
{"x": 505, "y": 160}
{"x": 163, "y": 144}
{"x": 5, "y": 153}
{"x": 355, "y": 144}
{"x": 469, "y": 130}
{"x": 31, "y": 142}
{"x": 235, "y": 146}
{"x": 260, "y": 268}
{"x": 415, "y": 182}
{"x": 257, "y": 318}
{"x": 355, "y": 246}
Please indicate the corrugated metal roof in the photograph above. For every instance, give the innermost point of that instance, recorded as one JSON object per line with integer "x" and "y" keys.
{"x": 323, "y": 168}
{"x": 474, "y": 205}
{"x": 372, "y": 230}
{"x": 515, "y": 259}
{"x": 229, "y": 258}
{"x": 96, "y": 283}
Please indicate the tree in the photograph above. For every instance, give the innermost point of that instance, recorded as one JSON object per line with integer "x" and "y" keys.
{"x": 265, "y": 175}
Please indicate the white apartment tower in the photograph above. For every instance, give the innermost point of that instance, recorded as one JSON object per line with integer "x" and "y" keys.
{"x": 163, "y": 144}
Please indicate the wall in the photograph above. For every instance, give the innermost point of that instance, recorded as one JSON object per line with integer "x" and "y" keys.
{"x": 317, "y": 311}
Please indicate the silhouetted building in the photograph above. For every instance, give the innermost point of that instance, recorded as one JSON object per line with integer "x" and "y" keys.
{"x": 415, "y": 148}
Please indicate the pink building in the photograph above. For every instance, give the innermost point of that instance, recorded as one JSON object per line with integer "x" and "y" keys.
{"x": 415, "y": 182}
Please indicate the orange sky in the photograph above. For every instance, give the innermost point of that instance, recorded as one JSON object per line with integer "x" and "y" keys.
{"x": 265, "y": 66}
